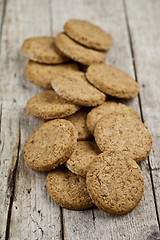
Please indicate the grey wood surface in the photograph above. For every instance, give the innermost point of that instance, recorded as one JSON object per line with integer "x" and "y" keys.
{"x": 26, "y": 211}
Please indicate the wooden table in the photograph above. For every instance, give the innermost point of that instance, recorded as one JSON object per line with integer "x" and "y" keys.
{"x": 26, "y": 211}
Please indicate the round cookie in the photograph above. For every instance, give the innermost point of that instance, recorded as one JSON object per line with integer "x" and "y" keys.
{"x": 106, "y": 108}
{"x": 68, "y": 190}
{"x": 88, "y": 34}
{"x": 50, "y": 144}
{"x": 115, "y": 183}
{"x": 43, "y": 50}
{"x": 78, "y": 119}
{"x": 42, "y": 74}
{"x": 74, "y": 87}
{"x": 80, "y": 160}
{"x": 78, "y": 52}
{"x": 112, "y": 81}
{"x": 123, "y": 132}
{"x": 49, "y": 105}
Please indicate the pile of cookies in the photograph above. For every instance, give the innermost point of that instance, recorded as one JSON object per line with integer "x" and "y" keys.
{"x": 89, "y": 145}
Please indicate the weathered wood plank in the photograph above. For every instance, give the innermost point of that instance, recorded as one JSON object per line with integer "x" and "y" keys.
{"x": 24, "y": 204}
{"x": 8, "y": 155}
{"x": 145, "y": 36}
{"x": 2, "y": 197}
{"x": 144, "y": 21}
{"x": 95, "y": 224}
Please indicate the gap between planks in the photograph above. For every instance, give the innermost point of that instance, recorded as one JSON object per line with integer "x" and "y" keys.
{"x": 2, "y": 20}
{"x": 140, "y": 105}
{"x": 62, "y": 224}
{"x": 12, "y": 183}
{"x": 51, "y": 31}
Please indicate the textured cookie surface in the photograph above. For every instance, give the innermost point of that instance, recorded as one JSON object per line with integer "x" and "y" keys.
{"x": 50, "y": 144}
{"x": 43, "y": 50}
{"x": 106, "y": 108}
{"x": 88, "y": 34}
{"x": 42, "y": 74}
{"x": 68, "y": 189}
{"x": 123, "y": 132}
{"x": 82, "y": 157}
{"x": 115, "y": 183}
{"x": 77, "y": 52}
{"x": 49, "y": 105}
{"x": 112, "y": 81}
{"x": 79, "y": 121}
{"x": 74, "y": 87}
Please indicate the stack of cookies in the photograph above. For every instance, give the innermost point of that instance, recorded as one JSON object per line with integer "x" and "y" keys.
{"x": 91, "y": 146}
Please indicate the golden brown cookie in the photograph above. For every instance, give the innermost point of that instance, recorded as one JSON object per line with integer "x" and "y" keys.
{"x": 79, "y": 121}
{"x": 112, "y": 81}
{"x": 43, "y": 50}
{"x": 50, "y": 144}
{"x": 80, "y": 160}
{"x": 124, "y": 133}
{"x": 106, "y": 108}
{"x": 78, "y": 52}
{"x": 115, "y": 183}
{"x": 42, "y": 74}
{"x": 49, "y": 105}
{"x": 74, "y": 87}
{"x": 88, "y": 34}
{"x": 68, "y": 190}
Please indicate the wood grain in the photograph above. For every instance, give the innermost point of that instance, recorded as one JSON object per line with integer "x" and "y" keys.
{"x": 1, "y": 13}
{"x": 156, "y": 181}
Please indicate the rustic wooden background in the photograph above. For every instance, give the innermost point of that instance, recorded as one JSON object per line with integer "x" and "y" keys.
{"x": 26, "y": 212}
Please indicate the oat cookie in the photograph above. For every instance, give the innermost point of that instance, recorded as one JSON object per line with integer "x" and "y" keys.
{"x": 115, "y": 183}
{"x": 88, "y": 34}
{"x": 49, "y": 105}
{"x": 42, "y": 74}
{"x": 123, "y": 132}
{"x": 43, "y": 50}
{"x": 108, "y": 107}
{"x": 68, "y": 190}
{"x": 50, "y": 144}
{"x": 112, "y": 81}
{"x": 79, "y": 121}
{"x": 74, "y": 87}
{"x": 80, "y": 160}
{"x": 78, "y": 52}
